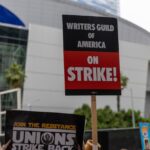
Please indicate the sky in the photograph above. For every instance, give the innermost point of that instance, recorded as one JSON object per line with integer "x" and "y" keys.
{"x": 136, "y": 11}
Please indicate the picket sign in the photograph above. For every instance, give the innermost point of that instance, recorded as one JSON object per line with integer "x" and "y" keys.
{"x": 91, "y": 60}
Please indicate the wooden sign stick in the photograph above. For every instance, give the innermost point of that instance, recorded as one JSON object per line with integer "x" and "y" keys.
{"x": 94, "y": 122}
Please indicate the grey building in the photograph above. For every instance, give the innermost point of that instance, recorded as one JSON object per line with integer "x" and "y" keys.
{"x": 108, "y": 6}
{"x": 44, "y": 85}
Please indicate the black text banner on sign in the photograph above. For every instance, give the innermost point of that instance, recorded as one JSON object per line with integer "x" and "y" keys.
{"x": 91, "y": 55}
{"x": 43, "y": 131}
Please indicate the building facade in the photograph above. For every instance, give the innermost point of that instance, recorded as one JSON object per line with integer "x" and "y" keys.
{"x": 44, "y": 84}
{"x": 107, "y": 6}
{"x": 13, "y": 44}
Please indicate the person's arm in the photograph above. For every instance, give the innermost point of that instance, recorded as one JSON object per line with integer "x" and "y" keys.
{"x": 4, "y": 147}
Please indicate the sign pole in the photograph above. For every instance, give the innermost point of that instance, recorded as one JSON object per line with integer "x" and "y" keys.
{"x": 94, "y": 122}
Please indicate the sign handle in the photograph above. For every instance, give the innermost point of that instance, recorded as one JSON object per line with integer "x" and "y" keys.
{"x": 94, "y": 122}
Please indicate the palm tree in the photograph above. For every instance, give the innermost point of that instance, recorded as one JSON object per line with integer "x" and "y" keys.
{"x": 124, "y": 82}
{"x": 15, "y": 76}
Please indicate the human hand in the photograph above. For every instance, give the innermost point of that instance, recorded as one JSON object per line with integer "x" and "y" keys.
{"x": 4, "y": 147}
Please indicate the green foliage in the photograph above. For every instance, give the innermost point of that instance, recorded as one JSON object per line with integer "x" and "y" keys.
{"x": 106, "y": 118}
{"x": 124, "y": 81}
{"x": 15, "y": 75}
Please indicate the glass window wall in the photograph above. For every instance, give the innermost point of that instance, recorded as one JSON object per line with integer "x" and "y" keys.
{"x": 13, "y": 43}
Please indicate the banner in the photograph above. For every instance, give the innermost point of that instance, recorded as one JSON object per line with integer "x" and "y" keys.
{"x": 44, "y": 131}
{"x": 91, "y": 55}
{"x": 145, "y": 135}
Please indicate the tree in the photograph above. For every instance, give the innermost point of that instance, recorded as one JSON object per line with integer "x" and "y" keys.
{"x": 15, "y": 76}
{"x": 107, "y": 118}
{"x": 124, "y": 82}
